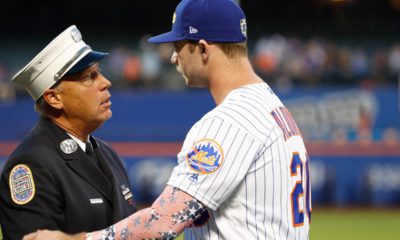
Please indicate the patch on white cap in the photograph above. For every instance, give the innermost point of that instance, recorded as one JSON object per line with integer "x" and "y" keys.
{"x": 76, "y": 35}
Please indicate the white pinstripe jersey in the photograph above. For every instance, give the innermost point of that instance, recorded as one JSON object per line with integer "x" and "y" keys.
{"x": 246, "y": 161}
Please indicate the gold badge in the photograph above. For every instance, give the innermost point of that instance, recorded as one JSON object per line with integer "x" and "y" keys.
{"x": 22, "y": 186}
{"x": 173, "y": 18}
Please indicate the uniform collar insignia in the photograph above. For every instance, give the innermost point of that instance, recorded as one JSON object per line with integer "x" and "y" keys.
{"x": 68, "y": 146}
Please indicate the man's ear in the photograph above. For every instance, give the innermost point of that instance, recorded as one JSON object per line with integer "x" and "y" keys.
{"x": 204, "y": 49}
{"x": 53, "y": 98}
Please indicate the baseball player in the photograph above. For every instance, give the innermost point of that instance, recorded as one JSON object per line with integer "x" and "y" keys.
{"x": 243, "y": 170}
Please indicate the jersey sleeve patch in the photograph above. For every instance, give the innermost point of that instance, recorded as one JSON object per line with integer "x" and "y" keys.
{"x": 205, "y": 157}
{"x": 22, "y": 186}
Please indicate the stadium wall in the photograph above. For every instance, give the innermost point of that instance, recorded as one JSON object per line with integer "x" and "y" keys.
{"x": 148, "y": 127}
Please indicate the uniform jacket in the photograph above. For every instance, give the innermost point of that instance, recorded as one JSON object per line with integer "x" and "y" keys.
{"x": 70, "y": 192}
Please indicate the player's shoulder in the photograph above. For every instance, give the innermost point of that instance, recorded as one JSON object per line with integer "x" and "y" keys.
{"x": 258, "y": 98}
{"x": 247, "y": 108}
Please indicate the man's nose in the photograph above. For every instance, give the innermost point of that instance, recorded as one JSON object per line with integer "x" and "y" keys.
{"x": 105, "y": 83}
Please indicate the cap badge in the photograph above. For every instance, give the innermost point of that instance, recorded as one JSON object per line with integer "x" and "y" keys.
{"x": 76, "y": 35}
{"x": 68, "y": 146}
{"x": 173, "y": 18}
{"x": 243, "y": 26}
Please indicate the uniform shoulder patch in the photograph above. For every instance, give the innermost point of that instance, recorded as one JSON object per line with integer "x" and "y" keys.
{"x": 22, "y": 186}
{"x": 205, "y": 157}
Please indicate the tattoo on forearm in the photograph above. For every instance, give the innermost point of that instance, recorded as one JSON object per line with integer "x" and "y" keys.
{"x": 125, "y": 233}
{"x": 191, "y": 212}
{"x": 171, "y": 212}
{"x": 168, "y": 235}
{"x": 109, "y": 233}
{"x": 172, "y": 198}
{"x": 136, "y": 222}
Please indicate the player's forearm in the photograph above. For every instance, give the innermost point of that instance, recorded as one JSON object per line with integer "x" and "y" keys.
{"x": 143, "y": 224}
{"x": 168, "y": 216}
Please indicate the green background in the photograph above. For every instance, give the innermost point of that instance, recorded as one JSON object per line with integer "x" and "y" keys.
{"x": 354, "y": 224}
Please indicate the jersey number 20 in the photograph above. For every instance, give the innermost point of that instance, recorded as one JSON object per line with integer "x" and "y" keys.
{"x": 299, "y": 191}
{"x": 289, "y": 128}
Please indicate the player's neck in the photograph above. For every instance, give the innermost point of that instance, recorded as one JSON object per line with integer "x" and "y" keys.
{"x": 231, "y": 76}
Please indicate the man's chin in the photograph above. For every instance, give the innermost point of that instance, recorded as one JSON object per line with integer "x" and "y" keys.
{"x": 104, "y": 116}
{"x": 108, "y": 114}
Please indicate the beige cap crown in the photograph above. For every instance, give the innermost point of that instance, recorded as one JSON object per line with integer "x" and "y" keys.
{"x": 50, "y": 65}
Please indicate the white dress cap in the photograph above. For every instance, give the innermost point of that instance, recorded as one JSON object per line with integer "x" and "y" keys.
{"x": 53, "y": 62}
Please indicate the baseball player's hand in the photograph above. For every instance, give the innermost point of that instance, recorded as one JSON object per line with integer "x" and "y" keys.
{"x": 53, "y": 235}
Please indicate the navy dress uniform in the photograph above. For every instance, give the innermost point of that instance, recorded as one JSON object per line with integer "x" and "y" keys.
{"x": 49, "y": 181}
